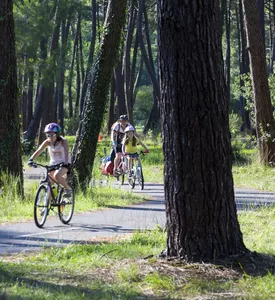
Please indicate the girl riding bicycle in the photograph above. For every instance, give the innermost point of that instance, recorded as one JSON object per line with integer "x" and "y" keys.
{"x": 59, "y": 154}
{"x": 129, "y": 146}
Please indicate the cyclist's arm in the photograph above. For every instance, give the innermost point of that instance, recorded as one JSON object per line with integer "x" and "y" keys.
{"x": 145, "y": 148}
{"x": 123, "y": 147}
{"x": 113, "y": 136}
{"x": 40, "y": 149}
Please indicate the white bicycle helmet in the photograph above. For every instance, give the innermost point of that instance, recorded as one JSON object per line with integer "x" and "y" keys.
{"x": 129, "y": 128}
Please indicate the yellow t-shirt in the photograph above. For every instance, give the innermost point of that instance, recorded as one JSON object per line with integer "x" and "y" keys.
{"x": 129, "y": 148}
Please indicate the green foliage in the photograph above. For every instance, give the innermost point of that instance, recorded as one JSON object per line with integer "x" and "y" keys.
{"x": 27, "y": 147}
{"x": 71, "y": 125}
{"x": 238, "y": 142}
{"x": 143, "y": 104}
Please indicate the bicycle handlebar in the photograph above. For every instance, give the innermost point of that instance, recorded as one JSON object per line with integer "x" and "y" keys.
{"x": 54, "y": 167}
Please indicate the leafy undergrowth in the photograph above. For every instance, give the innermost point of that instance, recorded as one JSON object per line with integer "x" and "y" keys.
{"x": 130, "y": 268}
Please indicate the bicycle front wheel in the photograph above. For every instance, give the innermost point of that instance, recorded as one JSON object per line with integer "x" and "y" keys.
{"x": 65, "y": 206}
{"x": 140, "y": 178}
{"x": 41, "y": 206}
{"x": 120, "y": 178}
{"x": 132, "y": 178}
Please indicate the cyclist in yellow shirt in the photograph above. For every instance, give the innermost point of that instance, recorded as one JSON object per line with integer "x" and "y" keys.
{"x": 129, "y": 145}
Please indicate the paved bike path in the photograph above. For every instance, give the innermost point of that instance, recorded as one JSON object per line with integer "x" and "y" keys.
{"x": 110, "y": 222}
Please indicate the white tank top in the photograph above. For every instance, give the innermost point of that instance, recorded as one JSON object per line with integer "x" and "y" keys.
{"x": 57, "y": 154}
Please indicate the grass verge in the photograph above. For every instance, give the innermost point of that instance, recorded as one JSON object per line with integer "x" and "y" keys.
{"x": 129, "y": 268}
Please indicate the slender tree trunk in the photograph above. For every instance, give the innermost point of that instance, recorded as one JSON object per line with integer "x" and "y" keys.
{"x": 228, "y": 46}
{"x": 30, "y": 95}
{"x": 126, "y": 59}
{"x": 150, "y": 68}
{"x": 24, "y": 99}
{"x": 244, "y": 69}
{"x": 199, "y": 196}
{"x": 119, "y": 79}
{"x": 40, "y": 102}
{"x": 265, "y": 126}
{"x": 86, "y": 141}
{"x": 91, "y": 56}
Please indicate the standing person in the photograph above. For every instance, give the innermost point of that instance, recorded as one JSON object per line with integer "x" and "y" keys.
{"x": 129, "y": 146}
{"x": 117, "y": 135}
{"x": 59, "y": 154}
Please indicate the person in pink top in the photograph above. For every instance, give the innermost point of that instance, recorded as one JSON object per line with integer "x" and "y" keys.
{"x": 59, "y": 154}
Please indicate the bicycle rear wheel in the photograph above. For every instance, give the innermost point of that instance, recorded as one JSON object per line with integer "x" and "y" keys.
{"x": 65, "y": 206}
{"x": 132, "y": 178}
{"x": 140, "y": 178}
{"x": 121, "y": 178}
{"x": 41, "y": 206}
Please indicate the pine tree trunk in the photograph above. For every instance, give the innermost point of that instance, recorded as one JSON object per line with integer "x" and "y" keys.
{"x": 10, "y": 146}
{"x": 199, "y": 196}
{"x": 86, "y": 140}
{"x": 265, "y": 126}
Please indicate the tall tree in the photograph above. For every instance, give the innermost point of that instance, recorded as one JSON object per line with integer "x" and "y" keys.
{"x": 200, "y": 206}
{"x": 10, "y": 147}
{"x": 265, "y": 126}
{"x": 95, "y": 104}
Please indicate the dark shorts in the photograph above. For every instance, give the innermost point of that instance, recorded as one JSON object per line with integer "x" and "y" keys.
{"x": 57, "y": 167}
{"x": 118, "y": 149}
{"x": 132, "y": 155}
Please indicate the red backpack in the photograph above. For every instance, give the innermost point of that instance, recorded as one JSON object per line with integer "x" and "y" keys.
{"x": 109, "y": 167}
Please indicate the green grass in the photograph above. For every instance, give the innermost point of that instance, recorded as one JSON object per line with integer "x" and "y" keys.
{"x": 128, "y": 268}
{"x": 254, "y": 176}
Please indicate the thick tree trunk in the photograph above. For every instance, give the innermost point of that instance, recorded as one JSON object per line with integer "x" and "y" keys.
{"x": 200, "y": 206}
{"x": 265, "y": 126}
{"x": 10, "y": 146}
{"x": 111, "y": 111}
{"x": 260, "y": 6}
{"x": 86, "y": 141}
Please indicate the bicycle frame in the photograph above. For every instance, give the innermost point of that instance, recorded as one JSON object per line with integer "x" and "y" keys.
{"x": 49, "y": 180}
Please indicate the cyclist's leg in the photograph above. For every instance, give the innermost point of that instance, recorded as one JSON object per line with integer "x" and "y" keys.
{"x": 59, "y": 177}
{"x": 117, "y": 158}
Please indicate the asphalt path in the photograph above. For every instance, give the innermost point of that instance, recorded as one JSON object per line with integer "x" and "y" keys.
{"x": 107, "y": 223}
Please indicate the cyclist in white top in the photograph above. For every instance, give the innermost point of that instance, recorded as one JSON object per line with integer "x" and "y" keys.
{"x": 117, "y": 135}
{"x": 59, "y": 154}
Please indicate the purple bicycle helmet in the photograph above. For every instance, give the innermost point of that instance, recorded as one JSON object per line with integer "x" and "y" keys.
{"x": 52, "y": 127}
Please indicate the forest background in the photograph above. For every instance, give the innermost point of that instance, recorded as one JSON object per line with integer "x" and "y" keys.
{"x": 56, "y": 42}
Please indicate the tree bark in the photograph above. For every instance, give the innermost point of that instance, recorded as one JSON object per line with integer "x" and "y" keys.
{"x": 265, "y": 126}
{"x": 86, "y": 141}
{"x": 199, "y": 196}
{"x": 10, "y": 146}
